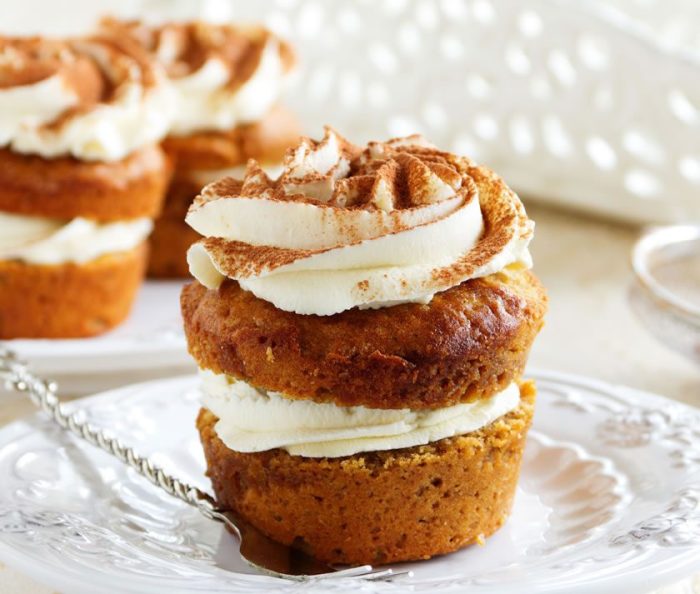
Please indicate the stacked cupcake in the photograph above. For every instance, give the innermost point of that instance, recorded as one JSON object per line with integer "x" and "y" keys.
{"x": 227, "y": 82}
{"x": 361, "y": 324}
{"x": 81, "y": 177}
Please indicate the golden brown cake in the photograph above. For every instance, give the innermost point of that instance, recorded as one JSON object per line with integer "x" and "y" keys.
{"x": 387, "y": 357}
{"x": 266, "y": 141}
{"x": 130, "y": 188}
{"x": 227, "y": 81}
{"x": 81, "y": 177}
{"x": 76, "y": 300}
{"x": 171, "y": 237}
{"x": 361, "y": 324}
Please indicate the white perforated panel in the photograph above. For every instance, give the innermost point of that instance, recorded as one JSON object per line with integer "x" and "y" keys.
{"x": 569, "y": 103}
{"x": 589, "y": 103}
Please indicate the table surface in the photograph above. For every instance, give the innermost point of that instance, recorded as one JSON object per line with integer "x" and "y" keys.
{"x": 590, "y": 330}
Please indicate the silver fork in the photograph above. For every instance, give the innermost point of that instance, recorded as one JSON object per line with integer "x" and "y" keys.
{"x": 256, "y": 549}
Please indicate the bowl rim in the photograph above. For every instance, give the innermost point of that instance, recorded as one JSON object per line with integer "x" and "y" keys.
{"x": 651, "y": 241}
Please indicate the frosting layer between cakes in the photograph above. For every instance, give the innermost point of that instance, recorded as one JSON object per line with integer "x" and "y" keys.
{"x": 346, "y": 227}
{"x": 254, "y": 420}
{"x": 39, "y": 240}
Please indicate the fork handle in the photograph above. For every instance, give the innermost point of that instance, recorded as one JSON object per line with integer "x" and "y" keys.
{"x": 43, "y": 394}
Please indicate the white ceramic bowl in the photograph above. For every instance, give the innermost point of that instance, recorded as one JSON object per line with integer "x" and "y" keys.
{"x": 666, "y": 263}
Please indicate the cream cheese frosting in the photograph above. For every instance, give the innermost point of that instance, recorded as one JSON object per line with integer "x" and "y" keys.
{"x": 38, "y": 240}
{"x": 32, "y": 105}
{"x": 252, "y": 420}
{"x": 93, "y": 99}
{"x": 206, "y": 101}
{"x": 346, "y": 227}
{"x": 222, "y": 76}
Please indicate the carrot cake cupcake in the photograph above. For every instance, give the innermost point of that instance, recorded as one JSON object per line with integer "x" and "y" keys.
{"x": 81, "y": 177}
{"x": 361, "y": 324}
{"x": 227, "y": 82}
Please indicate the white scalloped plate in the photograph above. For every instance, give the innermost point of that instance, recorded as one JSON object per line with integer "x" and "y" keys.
{"x": 608, "y": 501}
{"x": 150, "y": 339}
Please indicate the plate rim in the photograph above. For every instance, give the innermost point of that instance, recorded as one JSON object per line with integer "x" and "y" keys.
{"x": 46, "y": 356}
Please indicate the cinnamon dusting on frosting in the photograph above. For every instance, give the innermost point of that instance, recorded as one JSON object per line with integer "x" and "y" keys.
{"x": 184, "y": 48}
{"x": 389, "y": 223}
{"x": 24, "y": 61}
{"x": 251, "y": 260}
{"x": 401, "y": 173}
{"x": 96, "y": 98}
{"x": 93, "y": 69}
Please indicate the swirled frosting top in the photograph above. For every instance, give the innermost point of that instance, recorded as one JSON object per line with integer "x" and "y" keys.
{"x": 96, "y": 98}
{"x": 222, "y": 75}
{"x": 346, "y": 226}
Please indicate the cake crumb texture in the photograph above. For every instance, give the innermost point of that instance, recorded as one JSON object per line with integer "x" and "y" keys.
{"x": 69, "y": 300}
{"x": 171, "y": 236}
{"x": 67, "y": 188}
{"x": 469, "y": 342}
{"x": 265, "y": 140}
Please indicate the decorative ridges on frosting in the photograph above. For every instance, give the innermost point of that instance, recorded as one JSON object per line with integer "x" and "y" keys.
{"x": 104, "y": 96}
{"x": 93, "y": 70}
{"x": 345, "y": 226}
{"x": 96, "y": 98}
{"x": 184, "y": 48}
{"x": 398, "y": 174}
{"x": 221, "y": 75}
{"x": 24, "y": 61}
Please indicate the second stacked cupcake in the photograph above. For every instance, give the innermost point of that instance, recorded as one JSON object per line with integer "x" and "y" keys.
{"x": 81, "y": 177}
